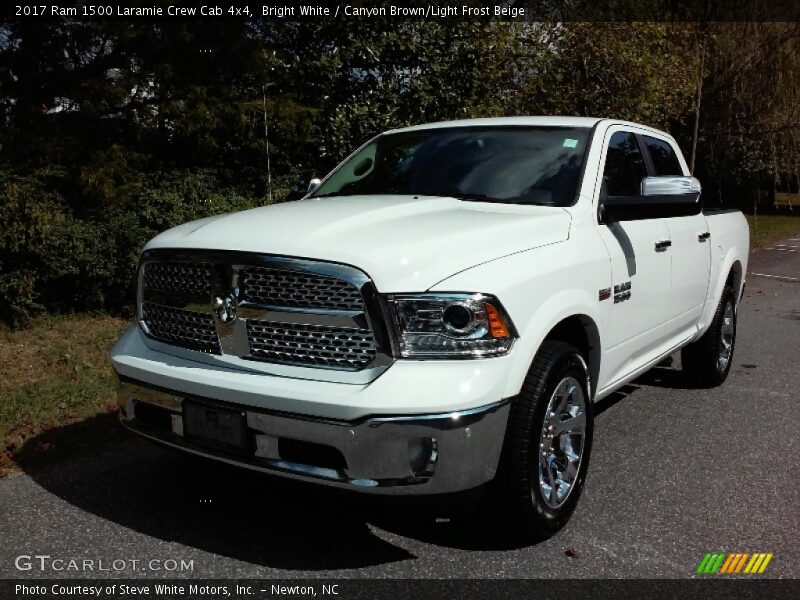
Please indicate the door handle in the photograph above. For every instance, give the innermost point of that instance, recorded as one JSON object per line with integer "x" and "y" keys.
{"x": 702, "y": 237}
{"x": 662, "y": 245}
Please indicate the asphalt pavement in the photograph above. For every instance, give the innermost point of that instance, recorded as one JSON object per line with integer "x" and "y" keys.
{"x": 675, "y": 473}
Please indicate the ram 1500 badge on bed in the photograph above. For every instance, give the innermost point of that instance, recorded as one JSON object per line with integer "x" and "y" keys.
{"x": 439, "y": 313}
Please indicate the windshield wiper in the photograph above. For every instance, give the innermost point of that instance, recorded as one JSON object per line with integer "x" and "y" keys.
{"x": 465, "y": 196}
{"x": 457, "y": 195}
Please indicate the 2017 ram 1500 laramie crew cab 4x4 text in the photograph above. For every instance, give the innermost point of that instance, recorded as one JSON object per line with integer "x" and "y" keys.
{"x": 439, "y": 313}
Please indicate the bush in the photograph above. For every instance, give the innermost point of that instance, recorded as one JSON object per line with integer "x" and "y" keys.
{"x": 62, "y": 249}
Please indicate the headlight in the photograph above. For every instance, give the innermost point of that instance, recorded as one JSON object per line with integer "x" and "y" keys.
{"x": 457, "y": 325}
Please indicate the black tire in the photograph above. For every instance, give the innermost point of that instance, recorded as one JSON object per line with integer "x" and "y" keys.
{"x": 701, "y": 360}
{"x": 518, "y": 492}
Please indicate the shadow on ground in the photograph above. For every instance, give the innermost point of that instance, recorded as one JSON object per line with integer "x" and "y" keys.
{"x": 241, "y": 514}
{"x": 665, "y": 378}
{"x": 253, "y": 517}
{"x": 56, "y": 444}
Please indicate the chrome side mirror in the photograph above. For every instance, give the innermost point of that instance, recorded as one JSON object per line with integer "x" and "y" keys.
{"x": 671, "y": 186}
{"x": 661, "y": 198}
{"x": 313, "y": 184}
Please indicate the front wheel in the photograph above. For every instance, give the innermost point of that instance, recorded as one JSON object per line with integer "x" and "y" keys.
{"x": 707, "y": 361}
{"x": 548, "y": 443}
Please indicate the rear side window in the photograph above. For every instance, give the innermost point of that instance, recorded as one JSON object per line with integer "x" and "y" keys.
{"x": 625, "y": 167}
{"x": 664, "y": 157}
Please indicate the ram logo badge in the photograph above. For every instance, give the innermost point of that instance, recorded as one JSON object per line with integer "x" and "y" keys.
{"x": 622, "y": 292}
{"x": 225, "y": 308}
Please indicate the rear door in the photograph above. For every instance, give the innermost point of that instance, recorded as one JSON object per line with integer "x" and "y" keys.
{"x": 690, "y": 250}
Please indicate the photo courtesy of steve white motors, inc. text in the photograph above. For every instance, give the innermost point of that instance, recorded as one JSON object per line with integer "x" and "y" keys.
{"x": 170, "y": 590}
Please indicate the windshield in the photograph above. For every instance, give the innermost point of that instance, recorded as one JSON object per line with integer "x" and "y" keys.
{"x": 519, "y": 165}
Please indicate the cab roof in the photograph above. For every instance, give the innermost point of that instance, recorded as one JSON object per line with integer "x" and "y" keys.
{"x": 508, "y": 121}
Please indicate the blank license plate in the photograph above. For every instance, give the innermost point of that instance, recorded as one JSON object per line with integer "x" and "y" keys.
{"x": 212, "y": 426}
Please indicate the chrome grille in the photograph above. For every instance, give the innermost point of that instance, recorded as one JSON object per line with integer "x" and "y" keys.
{"x": 311, "y": 345}
{"x": 179, "y": 327}
{"x": 180, "y": 277}
{"x": 264, "y": 309}
{"x": 294, "y": 289}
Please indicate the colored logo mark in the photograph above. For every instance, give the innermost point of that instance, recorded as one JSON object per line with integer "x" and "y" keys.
{"x": 732, "y": 563}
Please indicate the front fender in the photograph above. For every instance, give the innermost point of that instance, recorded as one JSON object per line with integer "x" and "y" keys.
{"x": 539, "y": 289}
{"x": 567, "y": 303}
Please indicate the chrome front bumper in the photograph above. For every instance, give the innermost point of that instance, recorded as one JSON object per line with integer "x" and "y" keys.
{"x": 413, "y": 454}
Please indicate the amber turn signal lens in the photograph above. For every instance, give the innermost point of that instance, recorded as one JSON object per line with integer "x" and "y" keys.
{"x": 496, "y": 325}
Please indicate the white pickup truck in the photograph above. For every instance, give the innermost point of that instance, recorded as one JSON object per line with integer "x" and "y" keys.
{"x": 439, "y": 313}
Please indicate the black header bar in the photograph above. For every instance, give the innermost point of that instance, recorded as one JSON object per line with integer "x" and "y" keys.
{"x": 454, "y": 10}
{"x": 710, "y": 588}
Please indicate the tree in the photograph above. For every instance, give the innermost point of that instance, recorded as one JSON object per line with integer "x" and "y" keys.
{"x": 113, "y": 131}
{"x": 750, "y": 116}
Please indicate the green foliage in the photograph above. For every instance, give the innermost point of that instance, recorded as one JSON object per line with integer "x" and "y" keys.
{"x": 642, "y": 72}
{"x": 37, "y": 242}
{"x": 55, "y": 259}
{"x": 113, "y": 132}
{"x": 750, "y": 123}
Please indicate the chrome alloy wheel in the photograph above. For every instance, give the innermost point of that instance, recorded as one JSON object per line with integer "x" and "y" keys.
{"x": 561, "y": 442}
{"x": 726, "y": 332}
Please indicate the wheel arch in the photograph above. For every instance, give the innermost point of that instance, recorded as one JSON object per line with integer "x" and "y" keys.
{"x": 581, "y": 331}
{"x": 734, "y": 278}
{"x": 576, "y": 325}
{"x": 731, "y": 272}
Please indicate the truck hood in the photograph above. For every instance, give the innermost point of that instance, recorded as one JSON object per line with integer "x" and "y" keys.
{"x": 405, "y": 243}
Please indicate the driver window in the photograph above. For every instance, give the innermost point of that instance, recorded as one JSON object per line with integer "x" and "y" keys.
{"x": 359, "y": 167}
{"x": 625, "y": 167}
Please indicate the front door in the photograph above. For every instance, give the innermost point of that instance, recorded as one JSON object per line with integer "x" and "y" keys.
{"x": 640, "y": 263}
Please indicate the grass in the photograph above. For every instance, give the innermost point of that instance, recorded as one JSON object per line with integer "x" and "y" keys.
{"x": 56, "y": 374}
{"x": 765, "y": 230}
{"x": 787, "y": 200}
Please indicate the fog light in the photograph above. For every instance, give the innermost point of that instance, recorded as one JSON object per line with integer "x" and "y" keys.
{"x": 422, "y": 454}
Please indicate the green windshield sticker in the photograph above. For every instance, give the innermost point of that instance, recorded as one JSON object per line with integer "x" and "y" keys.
{"x": 570, "y": 143}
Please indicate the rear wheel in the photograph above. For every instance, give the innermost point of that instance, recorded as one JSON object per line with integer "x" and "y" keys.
{"x": 548, "y": 443}
{"x": 707, "y": 361}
